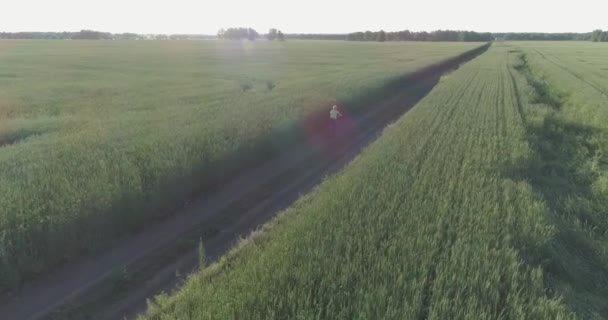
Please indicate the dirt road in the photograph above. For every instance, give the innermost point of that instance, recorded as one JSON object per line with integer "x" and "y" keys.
{"x": 117, "y": 283}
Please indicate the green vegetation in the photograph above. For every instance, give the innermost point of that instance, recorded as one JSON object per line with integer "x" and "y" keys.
{"x": 568, "y": 130}
{"x": 485, "y": 201}
{"x": 538, "y": 36}
{"x": 406, "y": 35}
{"x": 97, "y": 138}
{"x": 599, "y": 36}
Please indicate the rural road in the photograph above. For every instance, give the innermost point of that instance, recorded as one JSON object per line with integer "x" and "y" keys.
{"x": 117, "y": 283}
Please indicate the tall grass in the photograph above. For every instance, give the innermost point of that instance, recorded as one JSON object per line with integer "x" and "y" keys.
{"x": 439, "y": 219}
{"x": 99, "y": 138}
{"x": 567, "y": 129}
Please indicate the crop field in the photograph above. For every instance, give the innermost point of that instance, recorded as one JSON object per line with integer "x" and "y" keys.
{"x": 569, "y": 134}
{"x": 99, "y": 138}
{"x": 487, "y": 200}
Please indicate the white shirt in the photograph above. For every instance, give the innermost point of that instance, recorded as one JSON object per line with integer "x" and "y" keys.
{"x": 334, "y": 113}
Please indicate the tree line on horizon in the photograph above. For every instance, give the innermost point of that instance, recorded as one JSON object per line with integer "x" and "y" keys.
{"x": 538, "y": 36}
{"x": 406, "y": 35}
{"x": 97, "y": 35}
{"x": 80, "y": 35}
{"x": 275, "y": 34}
{"x": 249, "y": 34}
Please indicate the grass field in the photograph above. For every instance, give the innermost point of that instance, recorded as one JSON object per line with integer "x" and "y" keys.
{"x": 97, "y": 138}
{"x": 570, "y": 168}
{"x": 486, "y": 201}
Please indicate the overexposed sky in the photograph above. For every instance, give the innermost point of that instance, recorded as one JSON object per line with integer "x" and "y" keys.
{"x": 303, "y": 16}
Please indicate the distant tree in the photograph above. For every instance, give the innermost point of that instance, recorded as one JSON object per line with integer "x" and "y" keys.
{"x": 368, "y": 36}
{"x": 192, "y": 37}
{"x": 421, "y": 36}
{"x": 280, "y": 36}
{"x": 599, "y": 36}
{"x": 272, "y": 34}
{"x": 581, "y": 36}
{"x": 127, "y": 36}
{"x": 358, "y": 36}
{"x": 512, "y": 36}
{"x": 310, "y": 36}
{"x": 221, "y": 33}
{"x": 381, "y": 36}
{"x": 252, "y": 34}
{"x": 237, "y": 34}
{"x": 91, "y": 35}
{"x": 444, "y": 35}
